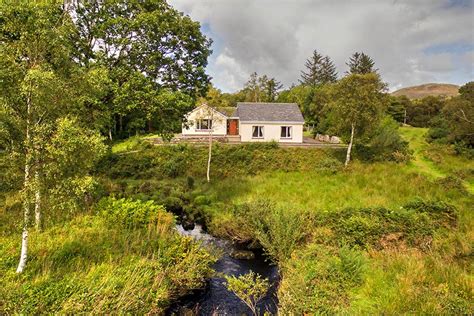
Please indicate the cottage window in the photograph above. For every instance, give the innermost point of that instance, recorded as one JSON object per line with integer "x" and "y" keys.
{"x": 257, "y": 131}
{"x": 285, "y": 132}
{"x": 204, "y": 125}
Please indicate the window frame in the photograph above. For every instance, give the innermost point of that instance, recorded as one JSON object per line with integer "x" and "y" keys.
{"x": 199, "y": 125}
{"x": 289, "y": 132}
{"x": 259, "y": 128}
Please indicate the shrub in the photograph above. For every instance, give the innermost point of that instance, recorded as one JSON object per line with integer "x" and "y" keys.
{"x": 127, "y": 165}
{"x": 173, "y": 161}
{"x": 133, "y": 213}
{"x": 414, "y": 224}
{"x": 437, "y": 133}
{"x": 385, "y": 145}
{"x": 461, "y": 148}
{"x": 173, "y": 204}
{"x": 202, "y": 200}
{"x": 278, "y": 230}
{"x": 422, "y": 111}
{"x": 329, "y": 164}
{"x": 190, "y": 182}
{"x": 452, "y": 182}
{"x": 250, "y": 288}
{"x": 318, "y": 280}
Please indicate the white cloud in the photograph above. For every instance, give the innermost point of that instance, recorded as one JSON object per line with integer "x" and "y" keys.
{"x": 230, "y": 73}
{"x": 275, "y": 37}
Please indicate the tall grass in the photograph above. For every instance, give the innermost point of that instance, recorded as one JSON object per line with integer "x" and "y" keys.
{"x": 95, "y": 264}
{"x": 436, "y": 160}
{"x": 345, "y": 239}
{"x": 363, "y": 185}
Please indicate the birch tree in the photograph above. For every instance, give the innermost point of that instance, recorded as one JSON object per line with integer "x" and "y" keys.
{"x": 207, "y": 115}
{"x": 39, "y": 84}
{"x": 357, "y": 106}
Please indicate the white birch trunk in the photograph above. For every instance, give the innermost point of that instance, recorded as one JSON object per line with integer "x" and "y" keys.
{"x": 348, "y": 154}
{"x": 26, "y": 185}
{"x": 37, "y": 200}
{"x": 209, "y": 157}
{"x": 24, "y": 241}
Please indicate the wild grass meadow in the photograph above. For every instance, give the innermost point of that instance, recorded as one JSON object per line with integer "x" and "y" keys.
{"x": 373, "y": 238}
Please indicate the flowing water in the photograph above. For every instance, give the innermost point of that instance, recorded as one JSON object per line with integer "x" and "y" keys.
{"x": 215, "y": 299}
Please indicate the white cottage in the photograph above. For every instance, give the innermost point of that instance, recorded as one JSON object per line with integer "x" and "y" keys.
{"x": 249, "y": 122}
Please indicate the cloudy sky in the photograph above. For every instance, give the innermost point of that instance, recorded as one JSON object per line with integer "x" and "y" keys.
{"x": 411, "y": 41}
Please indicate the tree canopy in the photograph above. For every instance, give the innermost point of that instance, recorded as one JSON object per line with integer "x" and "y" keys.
{"x": 459, "y": 116}
{"x": 261, "y": 89}
{"x": 151, "y": 51}
{"x": 357, "y": 106}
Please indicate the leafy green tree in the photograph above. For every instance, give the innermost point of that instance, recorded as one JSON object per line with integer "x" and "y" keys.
{"x": 270, "y": 89}
{"x": 301, "y": 94}
{"x": 148, "y": 48}
{"x": 250, "y": 288}
{"x": 39, "y": 85}
{"x": 361, "y": 63}
{"x": 69, "y": 155}
{"x": 215, "y": 98}
{"x": 467, "y": 91}
{"x": 319, "y": 70}
{"x": 459, "y": 115}
{"x": 398, "y": 108}
{"x": 261, "y": 88}
{"x": 312, "y": 102}
{"x": 356, "y": 107}
{"x": 423, "y": 111}
{"x": 252, "y": 89}
{"x": 232, "y": 98}
{"x": 385, "y": 143}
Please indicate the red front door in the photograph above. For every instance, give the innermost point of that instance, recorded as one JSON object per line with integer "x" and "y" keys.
{"x": 232, "y": 127}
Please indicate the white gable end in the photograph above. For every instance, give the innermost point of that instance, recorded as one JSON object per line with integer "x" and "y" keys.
{"x": 198, "y": 122}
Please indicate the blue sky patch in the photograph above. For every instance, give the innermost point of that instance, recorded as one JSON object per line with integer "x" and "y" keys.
{"x": 453, "y": 48}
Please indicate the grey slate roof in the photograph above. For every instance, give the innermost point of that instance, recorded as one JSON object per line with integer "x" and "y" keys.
{"x": 269, "y": 112}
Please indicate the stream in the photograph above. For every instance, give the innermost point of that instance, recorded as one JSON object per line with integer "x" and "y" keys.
{"x": 215, "y": 299}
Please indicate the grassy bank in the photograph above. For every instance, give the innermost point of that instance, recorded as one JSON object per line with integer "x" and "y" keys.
{"x": 124, "y": 256}
{"x": 438, "y": 161}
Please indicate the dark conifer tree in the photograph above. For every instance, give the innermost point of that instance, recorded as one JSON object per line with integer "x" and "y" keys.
{"x": 313, "y": 67}
{"x": 328, "y": 71}
{"x": 320, "y": 70}
{"x": 361, "y": 63}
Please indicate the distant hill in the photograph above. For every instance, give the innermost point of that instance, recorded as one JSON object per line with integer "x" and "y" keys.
{"x": 424, "y": 90}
